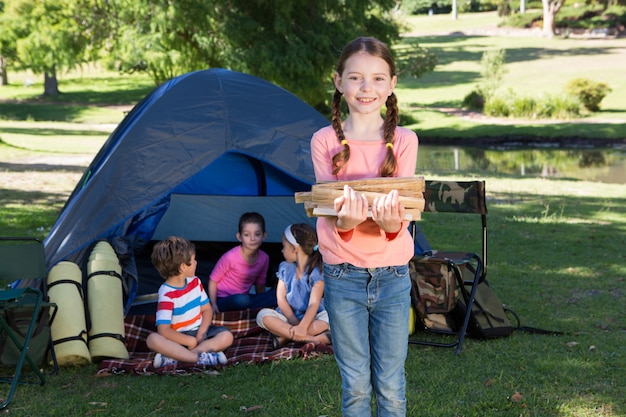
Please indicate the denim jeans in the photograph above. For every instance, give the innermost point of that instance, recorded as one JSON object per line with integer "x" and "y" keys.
{"x": 369, "y": 323}
{"x": 244, "y": 301}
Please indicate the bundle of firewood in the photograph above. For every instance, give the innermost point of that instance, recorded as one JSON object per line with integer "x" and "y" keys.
{"x": 320, "y": 200}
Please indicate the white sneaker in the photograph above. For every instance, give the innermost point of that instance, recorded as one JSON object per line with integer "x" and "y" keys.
{"x": 162, "y": 360}
{"x": 212, "y": 358}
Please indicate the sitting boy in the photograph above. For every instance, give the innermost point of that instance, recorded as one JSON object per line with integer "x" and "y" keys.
{"x": 184, "y": 313}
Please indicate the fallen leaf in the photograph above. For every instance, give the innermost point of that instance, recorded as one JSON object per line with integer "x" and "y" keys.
{"x": 572, "y": 344}
{"x": 253, "y": 408}
{"x": 517, "y": 397}
{"x": 489, "y": 382}
{"x": 592, "y": 347}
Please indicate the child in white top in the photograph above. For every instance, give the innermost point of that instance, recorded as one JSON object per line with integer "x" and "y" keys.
{"x": 300, "y": 315}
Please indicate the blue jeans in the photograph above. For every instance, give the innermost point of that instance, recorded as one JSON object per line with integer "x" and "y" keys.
{"x": 369, "y": 323}
{"x": 244, "y": 301}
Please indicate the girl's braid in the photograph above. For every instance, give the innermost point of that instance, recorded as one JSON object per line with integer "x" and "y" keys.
{"x": 340, "y": 158}
{"x": 389, "y": 166}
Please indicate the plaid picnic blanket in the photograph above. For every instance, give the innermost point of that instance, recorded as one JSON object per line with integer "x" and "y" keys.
{"x": 252, "y": 344}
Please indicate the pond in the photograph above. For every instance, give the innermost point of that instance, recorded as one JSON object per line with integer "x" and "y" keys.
{"x": 598, "y": 165}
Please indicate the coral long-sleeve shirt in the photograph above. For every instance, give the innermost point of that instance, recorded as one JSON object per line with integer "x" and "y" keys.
{"x": 368, "y": 246}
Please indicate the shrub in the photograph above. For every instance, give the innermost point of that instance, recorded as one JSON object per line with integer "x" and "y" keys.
{"x": 548, "y": 107}
{"x": 497, "y": 107}
{"x": 524, "y": 107}
{"x": 558, "y": 107}
{"x": 474, "y": 100}
{"x": 492, "y": 69}
{"x": 589, "y": 93}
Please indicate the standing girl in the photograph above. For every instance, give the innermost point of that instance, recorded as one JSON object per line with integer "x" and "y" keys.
{"x": 366, "y": 270}
{"x": 300, "y": 315}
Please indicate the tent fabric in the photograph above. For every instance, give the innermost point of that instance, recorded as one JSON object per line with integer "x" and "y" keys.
{"x": 212, "y": 132}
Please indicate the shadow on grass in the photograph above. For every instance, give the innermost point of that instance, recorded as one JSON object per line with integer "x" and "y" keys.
{"x": 36, "y": 131}
{"x": 561, "y": 134}
{"x": 40, "y": 112}
{"x": 8, "y": 166}
{"x": 459, "y": 51}
{"x": 559, "y": 264}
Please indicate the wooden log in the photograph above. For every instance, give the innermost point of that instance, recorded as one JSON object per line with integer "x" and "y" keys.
{"x": 411, "y": 214}
{"x": 320, "y": 200}
{"x": 326, "y": 197}
{"x": 404, "y": 185}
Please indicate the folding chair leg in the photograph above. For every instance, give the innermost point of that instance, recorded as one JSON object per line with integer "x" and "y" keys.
{"x": 23, "y": 348}
{"x": 469, "y": 299}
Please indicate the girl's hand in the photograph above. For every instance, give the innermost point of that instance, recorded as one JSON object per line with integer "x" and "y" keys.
{"x": 388, "y": 212}
{"x": 351, "y": 209}
{"x": 297, "y": 333}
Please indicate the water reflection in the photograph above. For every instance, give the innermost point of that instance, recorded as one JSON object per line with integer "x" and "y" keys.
{"x": 600, "y": 165}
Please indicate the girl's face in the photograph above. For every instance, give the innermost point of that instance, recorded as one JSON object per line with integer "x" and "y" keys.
{"x": 251, "y": 236}
{"x": 289, "y": 251}
{"x": 365, "y": 83}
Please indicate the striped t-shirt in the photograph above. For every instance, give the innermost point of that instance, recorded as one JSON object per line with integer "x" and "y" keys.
{"x": 181, "y": 308}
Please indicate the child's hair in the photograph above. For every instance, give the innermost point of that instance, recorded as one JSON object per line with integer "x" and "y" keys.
{"x": 168, "y": 254}
{"x": 306, "y": 237}
{"x": 378, "y": 49}
{"x": 251, "y": 217}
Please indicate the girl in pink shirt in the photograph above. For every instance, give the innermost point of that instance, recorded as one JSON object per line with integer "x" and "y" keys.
{"x": 366, "y": 274}
{"x": 241, "y": 268}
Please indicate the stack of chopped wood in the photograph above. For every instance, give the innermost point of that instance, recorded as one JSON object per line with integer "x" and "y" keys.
{"x": 320, "y": 200}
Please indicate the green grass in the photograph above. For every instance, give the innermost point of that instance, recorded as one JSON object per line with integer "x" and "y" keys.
{"x": 556, "y": 258}
{"x": 556, "y": 253}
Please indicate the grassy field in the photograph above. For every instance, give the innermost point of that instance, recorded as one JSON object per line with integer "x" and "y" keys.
{"x": 556, "y": 253}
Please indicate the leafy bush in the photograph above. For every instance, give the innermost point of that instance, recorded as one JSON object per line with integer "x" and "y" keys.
{"x": 558, "y": 107}
{"x": 548, "y": 107}
{"x": 423, "y": 6}
{"x": 497, "y": 106}
{"x": 589, "y": 93}
{"x": 474, "y": 100}
{"x": 523, "y": 21}
{"x": 583, "y": 17}
{"x": 492, "y": 69}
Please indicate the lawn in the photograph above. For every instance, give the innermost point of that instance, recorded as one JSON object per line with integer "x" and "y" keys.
{"x": 556, "y": 252}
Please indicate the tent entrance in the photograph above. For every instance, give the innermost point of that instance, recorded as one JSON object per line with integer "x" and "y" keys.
{"x": 216, "y": 217}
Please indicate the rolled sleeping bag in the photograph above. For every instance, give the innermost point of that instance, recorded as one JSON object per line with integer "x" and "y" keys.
{"x": 69, "y": 327}
{"x": 105, "y": 301}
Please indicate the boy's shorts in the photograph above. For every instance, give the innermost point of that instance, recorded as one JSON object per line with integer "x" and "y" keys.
{"x": 211, "y": 332}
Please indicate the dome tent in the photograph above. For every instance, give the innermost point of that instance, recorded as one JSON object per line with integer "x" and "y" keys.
{"x": 189, "y": 159}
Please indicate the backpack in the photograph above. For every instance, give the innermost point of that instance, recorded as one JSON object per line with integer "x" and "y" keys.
{"x": 434, "y": 294}
{"x": 488, "y": 319}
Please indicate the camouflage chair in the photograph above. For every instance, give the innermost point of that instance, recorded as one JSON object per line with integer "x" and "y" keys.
{"x": 440, "y": 278}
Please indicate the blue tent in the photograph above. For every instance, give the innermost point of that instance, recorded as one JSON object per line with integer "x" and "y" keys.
{"x": 189, "y": 159}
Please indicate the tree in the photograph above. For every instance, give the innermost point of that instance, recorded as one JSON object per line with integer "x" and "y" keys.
{"x": 550, "y": 9}
{"x": 49, "y": 36}
{"x": 8, "y": 38}
{"x": 165, "y": 39}
{"x": 295, "y": 44}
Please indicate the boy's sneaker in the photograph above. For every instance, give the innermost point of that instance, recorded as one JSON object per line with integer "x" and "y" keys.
{"x": 162, "y": 360}
{"x": 212, "y": 358}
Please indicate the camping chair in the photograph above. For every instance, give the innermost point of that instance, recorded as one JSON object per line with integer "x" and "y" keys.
{"x": 25, "y": 315}
{"x": 469, "y": 269}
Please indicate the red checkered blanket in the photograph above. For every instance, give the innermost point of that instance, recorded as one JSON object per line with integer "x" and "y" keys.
{"x": 252, "y": 345}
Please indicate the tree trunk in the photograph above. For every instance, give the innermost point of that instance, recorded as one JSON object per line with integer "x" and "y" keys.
{"x": 550, "y": 9}
{"x": 4, "y": 77}
{"x": 50, "y": 85}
